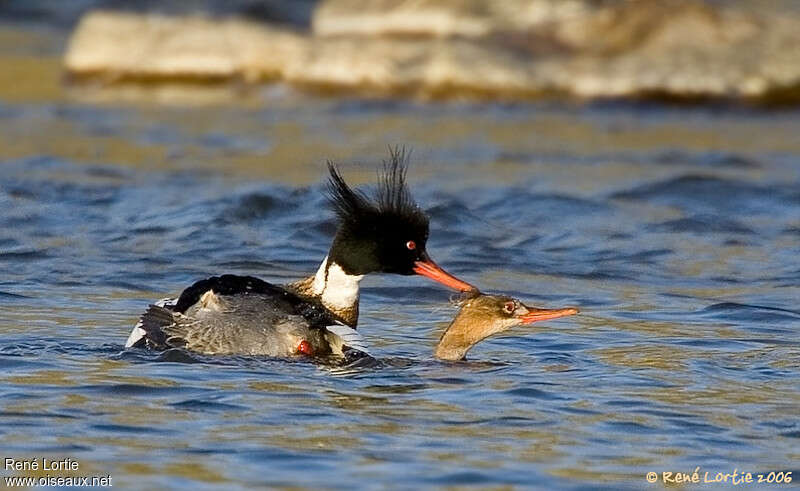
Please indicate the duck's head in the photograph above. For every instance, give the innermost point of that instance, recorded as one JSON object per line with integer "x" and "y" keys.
{"x": 481, "y": 316}
{"x": 387, "y": 233}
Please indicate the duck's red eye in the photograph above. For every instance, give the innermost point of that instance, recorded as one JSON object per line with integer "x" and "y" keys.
{"x": 509, "y": 307}
{"x": 411, "y": 245}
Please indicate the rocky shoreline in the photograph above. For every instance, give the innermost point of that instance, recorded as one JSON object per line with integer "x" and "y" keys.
{"x": 439, "y": 49}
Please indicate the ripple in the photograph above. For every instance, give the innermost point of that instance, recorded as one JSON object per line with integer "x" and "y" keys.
{"x": 530, "y": 392}
{"x": 468, "y": 478}
{"x": 537, "y": 207}
{"x": 706, "y": 159}
{"x": 702, "y": 224}
{"x": 23, "y": 255}
{"x": 13, "y": 414}
{"x": 258, "y": 205}
{"x": 695, "y": 192}
{"x": 11, "y": 296}
{"x": 749, "y": 313}
{"x": 201, "y": 405}
{"x": 116, "y": 428}
{"x": 137, "y": 390}
{"x": 630, "y": 427}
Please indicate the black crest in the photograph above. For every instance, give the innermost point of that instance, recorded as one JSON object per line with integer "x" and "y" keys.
{"x": 392, "y": 198}
{"x": 385, "y": 232}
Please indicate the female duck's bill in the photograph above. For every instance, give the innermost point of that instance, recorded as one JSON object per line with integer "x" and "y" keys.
{"x": 482, "y": 316}
{"x": 536, "y": 315}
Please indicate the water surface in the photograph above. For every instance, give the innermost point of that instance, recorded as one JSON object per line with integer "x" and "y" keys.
{"x": 675, "y": 230}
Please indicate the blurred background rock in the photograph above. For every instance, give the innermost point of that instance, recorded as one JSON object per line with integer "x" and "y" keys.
{"x": 685, "y": 50}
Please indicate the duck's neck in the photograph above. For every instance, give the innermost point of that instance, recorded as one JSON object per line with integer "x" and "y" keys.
{"x": 450, "y": 348}
{"x": 461, "y": 335}
{"x": 454, "y": 344}
{"x": 335, "y": 289}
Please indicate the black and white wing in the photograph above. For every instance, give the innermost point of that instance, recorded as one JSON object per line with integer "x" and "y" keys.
{"x": 137, "y": 338}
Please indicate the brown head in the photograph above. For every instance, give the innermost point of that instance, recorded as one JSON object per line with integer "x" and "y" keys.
{"x": 484, "y": 315}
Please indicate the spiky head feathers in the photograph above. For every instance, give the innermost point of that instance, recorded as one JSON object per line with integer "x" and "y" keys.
{"x": 387, "y": 232}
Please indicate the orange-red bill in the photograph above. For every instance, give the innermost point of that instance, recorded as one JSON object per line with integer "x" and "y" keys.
{"x": 535, "y": 315}
{"x": 430, "y": 269}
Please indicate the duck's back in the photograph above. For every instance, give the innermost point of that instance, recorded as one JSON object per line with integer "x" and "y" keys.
{"x": 247, "y": 324}
{"x": 236, "y": 315}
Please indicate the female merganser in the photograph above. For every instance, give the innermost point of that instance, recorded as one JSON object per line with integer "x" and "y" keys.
{"x": 482, "y": 316}
{"x": 264, "y": 324}
{"x": 387, "y": 234}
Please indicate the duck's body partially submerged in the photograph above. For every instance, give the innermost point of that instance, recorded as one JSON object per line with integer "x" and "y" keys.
{"x": 265, "y": 320}
{"x": 242, "y": 314}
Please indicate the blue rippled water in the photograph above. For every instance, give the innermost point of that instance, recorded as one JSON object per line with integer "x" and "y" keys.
{"x": 676, "y": 231}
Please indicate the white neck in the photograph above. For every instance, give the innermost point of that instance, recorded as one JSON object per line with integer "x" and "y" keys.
{"x": 337, "y": 289}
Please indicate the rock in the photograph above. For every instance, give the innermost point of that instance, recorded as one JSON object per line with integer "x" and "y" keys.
{"x": 468, "y": 18}
{"x": 675, "y": 49}
{"x": 125, "y": 46}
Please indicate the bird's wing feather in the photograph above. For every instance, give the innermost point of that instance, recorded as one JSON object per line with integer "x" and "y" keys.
{"x": 349, "y": 336}
{"x": 138, "y": 334}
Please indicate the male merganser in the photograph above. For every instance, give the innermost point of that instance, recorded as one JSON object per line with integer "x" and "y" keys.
{"x": 386, "y": 234}
{"x": 484, "y": 315}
